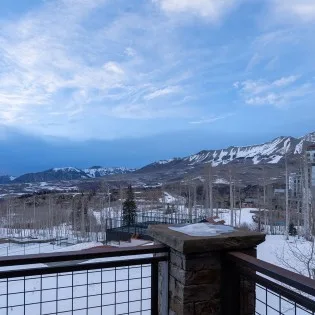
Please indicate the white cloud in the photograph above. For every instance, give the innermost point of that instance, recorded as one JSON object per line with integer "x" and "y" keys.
{"x": 211, "y": 119}
{"x": 259, "y": 86}
{"x": 212, "y": 10}
{"x": 74, "y": 61}
{"x": 113, "y": 68}
{"x": 270, "y": 99}
{"x": 55, "y": 63}
{"x": 285, "y": 81}
{"x": 130, "y": 52}
{"x": 162, "y": 92}
{"x": 254, "y": 61}
{"x": 41, "y": 61}
{"x": 280, "y": 92}
{"x": 291, "y": 10}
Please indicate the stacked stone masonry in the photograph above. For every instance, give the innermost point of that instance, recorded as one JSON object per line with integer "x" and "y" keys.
{"x": 194, "y": 283}
{"x": 194, "y": 275}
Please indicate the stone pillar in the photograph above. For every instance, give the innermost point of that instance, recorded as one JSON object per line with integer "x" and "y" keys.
{"x": 195, "y": 281}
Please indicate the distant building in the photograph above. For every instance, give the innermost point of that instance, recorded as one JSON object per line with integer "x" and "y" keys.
{"x": 297, "y": 180}
{"x": 310, "y": 154}
{"x": 250, "y": 203}
{"x": 295, "y": 184}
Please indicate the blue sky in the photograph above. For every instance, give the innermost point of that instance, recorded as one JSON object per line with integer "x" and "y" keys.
{"x": 116, "y": 82}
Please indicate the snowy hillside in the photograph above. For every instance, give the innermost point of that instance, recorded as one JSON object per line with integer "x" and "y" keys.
{"x": 67, "y": 173}
{"x": 271, "y": 153}
{"x": 5, "y": 179}
{"x": 99, "y": 171}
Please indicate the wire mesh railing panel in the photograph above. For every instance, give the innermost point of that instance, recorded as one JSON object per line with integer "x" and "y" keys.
{"x": 121, "y": 290}
{"x": 116, "y": 281}
{"x": 261, "y": 299}
{"x": 254, "y": 286}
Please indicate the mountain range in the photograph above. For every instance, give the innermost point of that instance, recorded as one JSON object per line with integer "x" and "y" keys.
{"x": 271, "y": 152}
{"x": 245, "y": 160}
{"x": 65, "y": 173}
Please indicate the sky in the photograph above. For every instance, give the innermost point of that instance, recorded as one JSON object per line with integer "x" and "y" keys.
{"x": 125, "y": 83}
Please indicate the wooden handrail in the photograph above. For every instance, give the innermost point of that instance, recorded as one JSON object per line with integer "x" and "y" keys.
{"x": 290, "y": 278}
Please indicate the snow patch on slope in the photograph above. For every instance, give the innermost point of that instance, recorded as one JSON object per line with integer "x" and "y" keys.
{"x": 270, "y": 152}
{"x": 276, "y": 159}
{"x": 98, "y": 171}
{"x": 162, "y": 162}
{"x": 66, "y": 169}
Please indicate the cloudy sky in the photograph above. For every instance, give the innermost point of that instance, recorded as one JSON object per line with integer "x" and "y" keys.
{"x": 120, "y": 82}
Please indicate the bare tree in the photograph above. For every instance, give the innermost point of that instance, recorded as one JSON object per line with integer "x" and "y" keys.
{"x": 287, "y": 216}
{"x": 303, "y": 261}
{"x": 210, "y": 172}
{"x": 231, "y": 198}
{"x": 306, "y": 199}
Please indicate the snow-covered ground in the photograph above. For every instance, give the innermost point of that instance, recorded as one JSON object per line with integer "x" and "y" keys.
{"x": 170, "y": 199}
{"x": 291, "y": 255}
{"x": 243, "y": 216}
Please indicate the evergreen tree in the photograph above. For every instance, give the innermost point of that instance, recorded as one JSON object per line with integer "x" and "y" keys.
{"x": 129, "y": 208}
{"x": 292, "y": 230}
{"x": 168, "y": 209}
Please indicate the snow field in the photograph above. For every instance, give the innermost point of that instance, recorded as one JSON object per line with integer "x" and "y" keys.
{"x": 243, "y": 216}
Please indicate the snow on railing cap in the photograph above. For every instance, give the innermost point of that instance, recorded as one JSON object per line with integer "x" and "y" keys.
{"x": 202, "y": 229}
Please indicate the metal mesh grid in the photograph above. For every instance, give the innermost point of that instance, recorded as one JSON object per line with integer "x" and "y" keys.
{"x": 119, "y": 290}
{"x": 261, "y": 300}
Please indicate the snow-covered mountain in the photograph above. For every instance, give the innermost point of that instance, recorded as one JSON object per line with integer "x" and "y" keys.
{"x": 6, "y": 179}
{"x": 272, "y": 152}
{"x": 53, "y": 174}
{"x": 246, "y": 159}
{"x": 99, "y": 171}
{"x": 69, "y": 173}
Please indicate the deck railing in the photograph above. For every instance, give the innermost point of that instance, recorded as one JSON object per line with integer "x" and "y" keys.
{"x": 112, "y": 281}
{"x": 97, "y": 281}
{"x": 257, "y": 287}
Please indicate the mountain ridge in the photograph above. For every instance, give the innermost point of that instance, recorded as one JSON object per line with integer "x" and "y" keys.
{"x": 269, "y": 153}
{"x": 65, "y": 173}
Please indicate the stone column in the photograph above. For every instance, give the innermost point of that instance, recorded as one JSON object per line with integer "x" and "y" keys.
{"x": 195, "y": 282}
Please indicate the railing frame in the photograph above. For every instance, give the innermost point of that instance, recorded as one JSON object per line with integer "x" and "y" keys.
{"x": 237, "y": 264}
{"x": 90, "y": 254}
